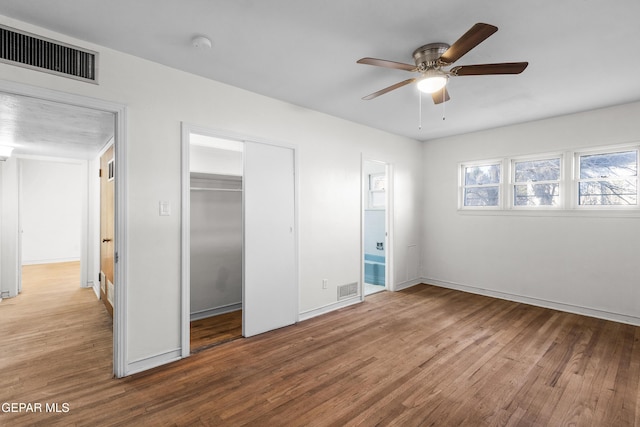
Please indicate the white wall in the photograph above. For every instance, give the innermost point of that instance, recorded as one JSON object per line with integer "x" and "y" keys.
{"x": 330, "y": 150}
{"x": 572, "y": 261}
{"x": 52, "y": 201}
{"x": 215, "y": 161}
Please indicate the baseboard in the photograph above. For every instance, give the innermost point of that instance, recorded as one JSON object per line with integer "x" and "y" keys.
{"x": 203, "y": 314}
{"x": 306, "y": 315}
{"x": 569, "y": 308}
{"x": 407, "y": 284}
{"x": 152, "y": 362}
{"x": 96, "y": 289}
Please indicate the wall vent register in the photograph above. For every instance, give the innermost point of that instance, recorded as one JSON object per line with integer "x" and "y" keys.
{"x": 348, "y": 290}
{"x": 39, "y": 53}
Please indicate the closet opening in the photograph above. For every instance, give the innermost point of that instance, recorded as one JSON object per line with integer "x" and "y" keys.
{"x": 216, "y": 240}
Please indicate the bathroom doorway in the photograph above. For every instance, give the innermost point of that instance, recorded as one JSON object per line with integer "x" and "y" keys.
{"x": 375, "y": 226}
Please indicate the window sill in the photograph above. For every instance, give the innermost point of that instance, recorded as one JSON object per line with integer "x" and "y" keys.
{"x": 577, "y": 213}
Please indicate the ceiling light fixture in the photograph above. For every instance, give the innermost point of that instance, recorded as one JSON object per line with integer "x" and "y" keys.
{"x": 433, "y": 81}
{"x": 5, "y": 152}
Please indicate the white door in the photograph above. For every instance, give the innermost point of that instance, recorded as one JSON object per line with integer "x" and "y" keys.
{"x": 270, "y": 291}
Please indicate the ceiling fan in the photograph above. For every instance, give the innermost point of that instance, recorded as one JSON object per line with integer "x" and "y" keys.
{"x": 431, "y": 59}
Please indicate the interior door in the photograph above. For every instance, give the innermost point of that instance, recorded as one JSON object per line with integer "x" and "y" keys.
{"x": 107, "y": 211}
{"x": 270, "y": 291}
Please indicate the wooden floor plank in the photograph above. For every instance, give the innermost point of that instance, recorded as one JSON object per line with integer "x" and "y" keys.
{"x": 423, "y": 356}
{"x": 215, "y": 330}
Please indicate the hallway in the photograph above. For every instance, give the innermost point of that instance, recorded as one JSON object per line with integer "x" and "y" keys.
{"x": 53, "y": 332}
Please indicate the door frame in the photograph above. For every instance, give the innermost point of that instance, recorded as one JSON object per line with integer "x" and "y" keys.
{"x": 185, "y": 221}
{"x": 388, "y": 221}
{"x": 121, "y": 235}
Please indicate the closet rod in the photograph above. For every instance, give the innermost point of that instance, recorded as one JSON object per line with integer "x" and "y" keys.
{"x": 215, "y": 189}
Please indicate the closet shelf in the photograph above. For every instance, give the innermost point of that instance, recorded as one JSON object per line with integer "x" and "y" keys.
{"x": 215, "y": 189}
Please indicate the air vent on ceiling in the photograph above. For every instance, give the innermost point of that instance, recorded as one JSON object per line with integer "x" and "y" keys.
{"x": 38, "y": 53}
{"x": 348, "y": 290}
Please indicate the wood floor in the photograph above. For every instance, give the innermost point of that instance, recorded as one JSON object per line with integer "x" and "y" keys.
{"x": 424, "y": 356}
{"x": 212, "y": 331}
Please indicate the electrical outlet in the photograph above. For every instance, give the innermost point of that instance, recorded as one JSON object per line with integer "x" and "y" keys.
{"x": 325, "y": 283}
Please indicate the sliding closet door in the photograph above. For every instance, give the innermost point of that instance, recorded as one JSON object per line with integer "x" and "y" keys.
{"x": 270, "y": 278}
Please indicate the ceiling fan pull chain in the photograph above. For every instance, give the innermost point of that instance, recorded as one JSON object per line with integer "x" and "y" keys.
{"x": 419, "y": 110}
{"x": 443, "y": 103}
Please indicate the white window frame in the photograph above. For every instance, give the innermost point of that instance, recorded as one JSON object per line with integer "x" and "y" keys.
{"x": 576, "y": 180}
{"x": 462, "y": 187}
{"x": 562, "y": 196}
{"x": 373, "y": 192}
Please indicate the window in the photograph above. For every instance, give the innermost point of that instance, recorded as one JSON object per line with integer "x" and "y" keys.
{"x": 481, "y": 185}
{"x": 602, "y": 180}
{"x": 377, "y": 187}
{"x": 536, "y": 182}
{"x": 608, "y": 179}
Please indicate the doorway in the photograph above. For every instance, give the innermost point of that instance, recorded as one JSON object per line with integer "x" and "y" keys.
{"x": 53, "y": 114}
{"x": 52, "y": 196}
{"x": 215, "y": 240}
{"x": 375, "y": 219}
{"x": 220, "y": 169}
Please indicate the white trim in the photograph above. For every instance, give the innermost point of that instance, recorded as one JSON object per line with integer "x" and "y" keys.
{"x": 306, "y": 315}
{"x": 120, "y": 367}
{"x": 151, "y": 362}
{"x": 185, "y": 226}
{"x": 390, "y": 227}
{"x": 185, "y": 238}
{"x": 408, "y": 284}
{"x": 203, "y": 314}
{"x": 388, "y": 221}
{"x": 539, "y": 302}
{"x": 121, "y": 274}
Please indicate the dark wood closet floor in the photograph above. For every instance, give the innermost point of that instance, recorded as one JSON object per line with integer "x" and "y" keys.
{"x": 423, "y": 356}
{"x": 212, "y": 331}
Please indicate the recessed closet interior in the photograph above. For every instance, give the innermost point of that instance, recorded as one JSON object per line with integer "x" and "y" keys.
{"x": 216, "y": 185}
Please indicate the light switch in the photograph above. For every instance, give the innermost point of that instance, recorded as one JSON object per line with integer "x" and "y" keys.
{"x": 165, "y": 208}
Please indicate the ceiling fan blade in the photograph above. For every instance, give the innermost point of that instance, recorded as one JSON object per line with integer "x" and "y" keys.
{"x": 487, "y": 69}
{"x": 440, "y": 96}
{"x": 472, "y": 38}
{"x": 387, "y": 64}
{"x": 388, "y": 89}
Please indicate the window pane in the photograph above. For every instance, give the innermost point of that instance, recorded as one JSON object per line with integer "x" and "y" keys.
{"x": 481, "y": 196}
{"x": 609, "y": 165}
{"x": 536, "y": 195}
{"x": 538, "y": 170}
{"x": 479, "y": 175}
{"x": 377, "y": 181}
{"x": 614, "y": 192}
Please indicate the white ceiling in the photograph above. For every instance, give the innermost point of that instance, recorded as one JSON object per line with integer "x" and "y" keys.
{"x": 43, "y": 128}
{"x": 582, "y": 54}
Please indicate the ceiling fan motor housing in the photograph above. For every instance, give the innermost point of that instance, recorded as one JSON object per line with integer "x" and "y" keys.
{"x": 427, "y": 56}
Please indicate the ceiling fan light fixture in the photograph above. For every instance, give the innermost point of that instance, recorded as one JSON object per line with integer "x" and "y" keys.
{"x": 432, "y": 81}
{"x": 5, "y": 152}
